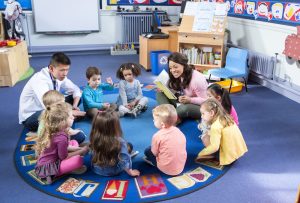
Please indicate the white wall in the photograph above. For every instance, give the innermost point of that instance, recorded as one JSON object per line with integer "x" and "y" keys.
{"x": 109, "y": 34}
{"x": 267, "y": 38}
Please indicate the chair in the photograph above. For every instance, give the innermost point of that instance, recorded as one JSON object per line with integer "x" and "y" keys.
{"x": 236, "y": 66}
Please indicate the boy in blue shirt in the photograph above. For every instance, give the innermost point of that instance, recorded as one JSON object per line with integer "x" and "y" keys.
{"x": 93, "y": 93}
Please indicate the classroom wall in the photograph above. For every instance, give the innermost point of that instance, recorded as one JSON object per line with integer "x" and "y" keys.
{"x": 109, "y": 34}
{"x": 267, "y": 38}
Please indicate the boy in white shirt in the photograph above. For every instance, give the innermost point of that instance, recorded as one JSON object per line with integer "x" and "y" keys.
{"x": 53, "y": 77}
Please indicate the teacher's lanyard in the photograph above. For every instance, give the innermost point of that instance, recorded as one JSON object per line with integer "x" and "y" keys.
{"x": 53, "y": 81}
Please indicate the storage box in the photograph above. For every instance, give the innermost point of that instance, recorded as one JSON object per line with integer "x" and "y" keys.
{"x": 14, "y": 62}
{"x": 159, "y": 61}
{"x": 235, "y": 87}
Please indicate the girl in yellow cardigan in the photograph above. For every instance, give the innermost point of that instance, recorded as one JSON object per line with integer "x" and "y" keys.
{"x": 224, "y": 136}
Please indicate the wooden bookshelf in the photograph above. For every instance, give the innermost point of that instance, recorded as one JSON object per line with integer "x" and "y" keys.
{"x": 193, "y": 43}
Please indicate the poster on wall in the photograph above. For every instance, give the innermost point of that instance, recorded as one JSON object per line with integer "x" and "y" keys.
{"x": 281, "y": 12}
{"x": 144, "y": 2}
{"x": 26, "y": 4}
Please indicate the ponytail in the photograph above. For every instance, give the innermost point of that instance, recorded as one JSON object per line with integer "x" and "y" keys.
{"x": 224, "y": 94}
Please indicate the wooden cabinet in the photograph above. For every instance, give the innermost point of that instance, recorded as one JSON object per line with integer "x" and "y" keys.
{"x": 205, "y": 50}
{"x": 148, "y": 45}
{"x": 172, "y": 31}
{"x": 14, "y": 63}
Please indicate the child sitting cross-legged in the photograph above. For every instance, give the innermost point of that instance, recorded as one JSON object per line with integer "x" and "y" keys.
{"x": 168, "y": 147}
{"x": 77, "y": 136}
{"x": 110, "y": 152}
{"x": 224, "y": 140}
{"x": 93, "y": 93}
{"x": 131, "y": 100}
{"x": 52, "y": 146}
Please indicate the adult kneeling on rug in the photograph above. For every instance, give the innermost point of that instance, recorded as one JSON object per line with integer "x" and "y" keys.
{"x": 189, "y": 86}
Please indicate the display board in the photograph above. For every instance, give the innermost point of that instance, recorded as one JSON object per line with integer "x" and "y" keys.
{"x": 281, "y": 12}
{"x": 26, "y": 4}
{"x": 66, "y": 16}
{"x": 144, "y": 2}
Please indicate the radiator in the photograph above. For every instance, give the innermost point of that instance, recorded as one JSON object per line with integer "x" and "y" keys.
{"x": 262, "y": 64}
{"x": 134, "y": 25}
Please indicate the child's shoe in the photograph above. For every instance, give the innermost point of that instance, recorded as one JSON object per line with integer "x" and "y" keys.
{"x": 147, "y": 161}
{"x": 137, "y": 110}
{"x": 80, "y": 170}
{"x": 121, "y": 114}
{"x": 144, "y": 108}
{"x": 134, "y": 153}
{"x": 132, "y": 114}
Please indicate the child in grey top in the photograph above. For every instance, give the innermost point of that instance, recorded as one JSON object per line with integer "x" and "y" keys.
{"x": 131, "y": 100}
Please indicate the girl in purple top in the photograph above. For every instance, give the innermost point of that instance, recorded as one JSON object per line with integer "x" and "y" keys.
{"x": 222, "y": 95}
{"x": 188, "y": 85}
{"x": 52, "y": 145}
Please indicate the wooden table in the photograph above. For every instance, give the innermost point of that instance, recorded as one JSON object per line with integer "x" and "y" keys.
{"x": 148, "y": 45}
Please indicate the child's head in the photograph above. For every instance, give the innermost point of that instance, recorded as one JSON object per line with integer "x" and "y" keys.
{"x": 104, "y": 140}
{"x": 128, "y": 71}
{"x": 52, "y": 97}
{"x": 93, "y": 75}
{"x": 221, "y": 94}
{"x": 57, "y": 117}
{"x": 211, "y": 109}
{"x": 164, "y": 116}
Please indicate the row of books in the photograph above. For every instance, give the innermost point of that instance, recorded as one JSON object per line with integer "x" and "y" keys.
{"x": 203, "y": 55}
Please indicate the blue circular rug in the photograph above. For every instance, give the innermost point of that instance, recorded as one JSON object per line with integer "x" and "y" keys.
{"x": 151, "y": 186}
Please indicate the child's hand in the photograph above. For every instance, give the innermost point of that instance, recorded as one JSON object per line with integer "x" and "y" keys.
{"x": 106, "y": 105}
{"x": 133, "y": 172}
{"x": 84, "y": 150}
{"x": 184, "y": 99}
{"x": 73, "y": 131}
{"x": 206, "y": 140}
{"x": 76, "y": 108}
{"x": 128, "y": 106}
{"x": 132, "y": 104}
{"x": 79, "y": 113}
{"x": 109, "y": 80}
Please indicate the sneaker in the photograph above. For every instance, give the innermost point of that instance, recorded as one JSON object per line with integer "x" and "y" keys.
{"x": 144, "y": 108}
{"x": 132, "y": 114}
{"x": 121, "y": 114}
{"x": 80, "y": 170}
{"x": 147, "y": 161}
{"x": 134, "y": 153}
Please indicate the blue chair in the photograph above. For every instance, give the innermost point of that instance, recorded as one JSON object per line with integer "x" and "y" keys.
{"x": 236, "y": 66}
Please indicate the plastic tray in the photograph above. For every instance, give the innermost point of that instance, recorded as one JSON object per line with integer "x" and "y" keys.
{"x": 235, "y": 87}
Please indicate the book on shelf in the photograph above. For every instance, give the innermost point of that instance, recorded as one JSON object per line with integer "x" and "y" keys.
{"x": 115, "y": 190}
{"x": 150, "y": 185}
{"x": 161, "y": 83}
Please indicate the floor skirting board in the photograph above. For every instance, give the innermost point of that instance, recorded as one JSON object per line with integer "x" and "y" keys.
{"x": 282, "y": 89}
{"x": 69, "y": 48}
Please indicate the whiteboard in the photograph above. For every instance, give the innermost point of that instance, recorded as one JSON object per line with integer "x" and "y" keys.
{"x": 66, "y": 15}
